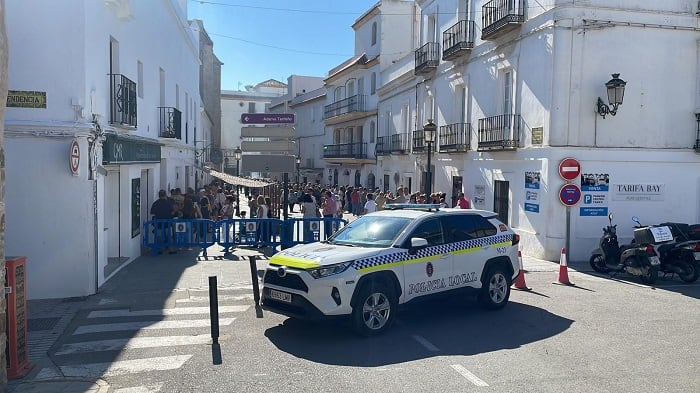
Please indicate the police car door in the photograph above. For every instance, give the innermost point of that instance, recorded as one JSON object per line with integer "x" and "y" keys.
{"x": 429, "y": 270}
{"x": 471, "y": 238}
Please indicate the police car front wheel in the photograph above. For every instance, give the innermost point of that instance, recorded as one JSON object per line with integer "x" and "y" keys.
{"x": 375, "y": 309}
{"x": 496, "y": 289}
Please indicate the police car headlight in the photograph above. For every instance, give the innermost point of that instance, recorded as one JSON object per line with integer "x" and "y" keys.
{"x": 329, "y": 270}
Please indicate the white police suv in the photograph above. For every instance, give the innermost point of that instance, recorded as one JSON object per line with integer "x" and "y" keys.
{"x": 390, "y": 257}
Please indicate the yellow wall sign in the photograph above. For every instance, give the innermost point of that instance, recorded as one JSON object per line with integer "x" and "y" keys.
{"x": 26, "y": 99}
{"x": 537, "y": 135}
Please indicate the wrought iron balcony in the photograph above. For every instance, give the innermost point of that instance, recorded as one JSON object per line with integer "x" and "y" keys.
{"x": 458, "y": 40}
{"x": 345, "y": 150}
{"x": 122, "y": 101}
{"x": 418, "y": 141}
{"x": 170, "y": 122}
{"x": 392, "y": 144}
{"x": 427, "y": 58}
{"x": 352, "y": 104}
{"x": 455, "y": 138}
{"x": 501, "y": 16}
{"x": 499, "y": 132}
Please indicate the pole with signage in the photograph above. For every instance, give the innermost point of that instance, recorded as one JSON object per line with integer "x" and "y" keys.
{"x": 570, "y": 194}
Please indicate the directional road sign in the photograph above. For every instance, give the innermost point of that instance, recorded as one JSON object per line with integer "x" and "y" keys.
{"x": 268, "y": 118}
{"x": 269, "y": 146}
{"x": 569, "y": 169}
{"x": 268, "y": 163}
{"x": 570, "y": 194}
{"x": 267, "y": 132}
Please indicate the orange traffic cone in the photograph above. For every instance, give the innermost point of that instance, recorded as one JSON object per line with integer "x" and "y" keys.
{"x": 520, "y": 279}
{"x": 563, "y": 270}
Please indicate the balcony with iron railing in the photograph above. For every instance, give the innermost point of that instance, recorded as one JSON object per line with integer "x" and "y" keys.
{"x": 427, "y": 58}
{"x": 170, "y": 122}
{"x": 455, "y": 138}
{"x": 392, "y": 144}
{"x": 356, "y": 103}
{"x": 346, "y": 150}
{"x": 501, "y": 16}
{"x": 458, "y": 40}
{"x": 499, "y": 132}
{"x": 122, "y": 108}
{"x": 418, "y": 145}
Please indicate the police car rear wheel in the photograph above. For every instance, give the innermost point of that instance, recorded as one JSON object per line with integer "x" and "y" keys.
{"x": 375, "y": 310}
{"x": 495, "y": 290}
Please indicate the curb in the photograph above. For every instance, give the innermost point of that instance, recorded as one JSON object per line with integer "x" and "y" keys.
{"x": 62, "y": 385}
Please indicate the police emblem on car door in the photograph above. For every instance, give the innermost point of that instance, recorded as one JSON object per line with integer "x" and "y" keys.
{"x": 429, "y": 270}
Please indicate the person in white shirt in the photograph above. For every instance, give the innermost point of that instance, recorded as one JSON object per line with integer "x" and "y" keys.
{"x": 370, "y": 205}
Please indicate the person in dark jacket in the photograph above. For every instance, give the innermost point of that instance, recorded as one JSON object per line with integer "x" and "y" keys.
{"x": 162, "y": 209}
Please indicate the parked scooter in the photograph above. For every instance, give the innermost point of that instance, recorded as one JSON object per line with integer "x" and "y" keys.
{"x": 682, "y": 254}
{"x": 638, "y": 259}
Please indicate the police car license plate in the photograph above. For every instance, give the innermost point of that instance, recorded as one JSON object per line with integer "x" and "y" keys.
{"x": 654, "y": 261}
{"x": 281, "y": 296}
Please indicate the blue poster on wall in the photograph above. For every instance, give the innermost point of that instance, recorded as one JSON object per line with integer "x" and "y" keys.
{"x": 532, "y": 180}
{"x": 532, "y": 207}
{"x": 595, "y": 182}
{"x": 593, "y": 211}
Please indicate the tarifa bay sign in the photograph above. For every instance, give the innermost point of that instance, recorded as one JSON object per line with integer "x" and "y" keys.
{"x": 26, "y": 99}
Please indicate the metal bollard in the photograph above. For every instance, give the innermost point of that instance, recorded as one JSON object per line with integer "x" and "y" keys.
{"x": 214, "y": 309}
{"x": 254, "y": 277}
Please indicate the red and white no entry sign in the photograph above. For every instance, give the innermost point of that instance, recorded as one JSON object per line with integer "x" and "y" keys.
{"x": 569, "y": 169}
{"x": 74, "y": 156}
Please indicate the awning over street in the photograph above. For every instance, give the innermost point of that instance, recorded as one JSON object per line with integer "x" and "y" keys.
{"x": 236, "y": 180}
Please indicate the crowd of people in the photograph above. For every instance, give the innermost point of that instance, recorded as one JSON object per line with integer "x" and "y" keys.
{"x": 218, "y": 201}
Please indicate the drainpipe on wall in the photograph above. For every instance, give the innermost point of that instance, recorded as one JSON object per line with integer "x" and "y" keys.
{"x": 95, "y": 140}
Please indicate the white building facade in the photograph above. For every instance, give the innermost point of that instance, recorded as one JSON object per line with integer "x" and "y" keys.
{"x": 352, "y": 116}
{"x": 513, "y": 88}
{"x": 100, "y": 118}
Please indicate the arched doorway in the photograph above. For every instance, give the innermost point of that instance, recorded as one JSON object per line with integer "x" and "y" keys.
{"x": 357, "y": 178}
{"x": 371, "y": 182}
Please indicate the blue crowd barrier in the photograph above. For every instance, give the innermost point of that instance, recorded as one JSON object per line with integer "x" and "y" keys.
{"x": 169, "y": 234}
{"x": 231, "y": 233}
{"x": 250, "y": 232}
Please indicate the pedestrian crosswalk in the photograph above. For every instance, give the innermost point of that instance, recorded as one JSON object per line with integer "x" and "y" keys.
{"x": 122, "y": 336}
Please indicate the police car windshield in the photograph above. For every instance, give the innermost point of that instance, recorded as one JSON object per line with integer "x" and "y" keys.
{"x": 371, "y": 231}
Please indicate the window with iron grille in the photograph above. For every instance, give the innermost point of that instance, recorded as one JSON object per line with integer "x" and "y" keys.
{"x": 122, "y": 101}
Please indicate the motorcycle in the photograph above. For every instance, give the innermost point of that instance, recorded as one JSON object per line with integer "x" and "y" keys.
{"x": 638, "y": 259}
{"x": 681, "y": 255}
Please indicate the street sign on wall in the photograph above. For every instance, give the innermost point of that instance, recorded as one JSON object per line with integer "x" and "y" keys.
{"x": 268, "y": 118}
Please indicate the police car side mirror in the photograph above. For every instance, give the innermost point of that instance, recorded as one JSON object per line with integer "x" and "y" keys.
{"x": 416, "y": 244}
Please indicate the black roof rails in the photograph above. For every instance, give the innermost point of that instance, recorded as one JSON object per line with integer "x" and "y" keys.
{"x": 413, "y": 206}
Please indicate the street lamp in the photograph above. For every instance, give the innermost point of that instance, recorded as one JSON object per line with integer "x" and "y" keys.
{"x": 297, "y": 160}
{"x": 429, "y": 130}
{"x": 237, "y": 156}
{"x": 616, "y": 92}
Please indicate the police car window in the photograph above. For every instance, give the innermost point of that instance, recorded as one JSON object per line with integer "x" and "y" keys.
{"x": 371, "y": 231}
{"x": 430, "y": 230}
{"x": 461, "y": 227}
